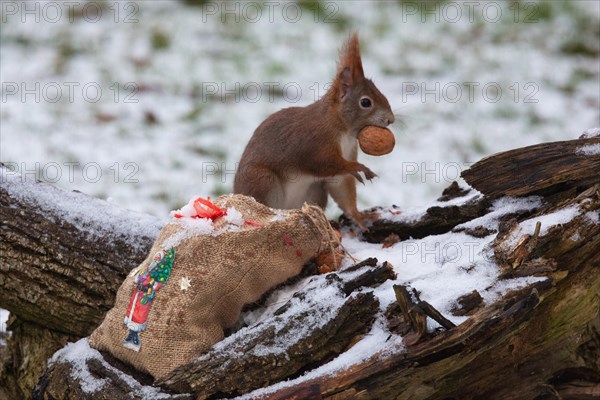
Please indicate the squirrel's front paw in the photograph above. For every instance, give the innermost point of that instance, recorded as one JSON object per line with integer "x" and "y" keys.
{"x": 368, "y": 173}
{"x": 358, "y": 168}
{"x": 357, "y": 176}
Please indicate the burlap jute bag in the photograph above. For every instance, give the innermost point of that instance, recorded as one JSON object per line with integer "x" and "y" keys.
{"x": 198, "y": 276}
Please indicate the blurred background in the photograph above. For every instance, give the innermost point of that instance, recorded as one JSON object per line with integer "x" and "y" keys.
{"x": 147, "y": 103}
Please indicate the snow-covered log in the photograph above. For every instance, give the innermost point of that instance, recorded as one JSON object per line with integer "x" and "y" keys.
{"x": 63, "y": 255}
{"x": 555, "y": 168}
{"x": 541, "y": 342}
{"x": 437, "y": 219}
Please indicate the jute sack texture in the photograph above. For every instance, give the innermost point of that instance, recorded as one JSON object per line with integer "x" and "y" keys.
{"x": 212, "y": 276}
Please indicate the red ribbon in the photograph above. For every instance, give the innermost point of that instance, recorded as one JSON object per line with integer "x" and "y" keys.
{"x": 205, "y": 209}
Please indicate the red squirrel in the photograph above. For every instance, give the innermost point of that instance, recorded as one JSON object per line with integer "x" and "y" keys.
{"x": 304, "y": 154}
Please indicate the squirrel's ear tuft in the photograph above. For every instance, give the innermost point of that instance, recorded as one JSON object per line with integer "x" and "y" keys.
{"x": 350, "y": 58}
{"x": 345, "y": 82}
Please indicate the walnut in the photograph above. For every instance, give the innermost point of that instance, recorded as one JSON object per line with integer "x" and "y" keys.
{"x": 376, "y": 141}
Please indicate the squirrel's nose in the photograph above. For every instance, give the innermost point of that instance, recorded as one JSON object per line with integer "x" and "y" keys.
{"x": 390, "y": 119}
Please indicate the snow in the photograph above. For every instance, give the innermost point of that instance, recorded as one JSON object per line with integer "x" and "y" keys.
{"x": 412, "y": 214}
{"x": 186, "y": 211}
{"x": 325, "y": 301}
{"x": 77, "y": 355}
{"x": 277, "y": 299}
{"x": 198, "y": 139}
{"x": 190, "y": 227}
{"x": 593, "y": 216}
{"x": 447, "y": 266}
{"x": 327, "y": 298}
{"x": 589, "y": 149}
{"x": 3, "y": 318}
{"x": 590, "y": 133}
{"x": 547, "y": 221}
{"x": 97, "y": 218}
{"x": 280, "y": 215}
{"x": 575, "y": 237}
{"x": 501, "y": 207}
{"x": 378, "y": 337}
{"x": 234, "y": 217}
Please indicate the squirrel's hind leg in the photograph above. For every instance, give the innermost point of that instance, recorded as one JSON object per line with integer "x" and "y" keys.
{"x": 317, "y": 194}
{"x": 260, "y": 183}
{"x": 342, "y": 189}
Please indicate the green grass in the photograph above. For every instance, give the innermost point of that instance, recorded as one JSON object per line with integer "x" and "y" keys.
{"x": 577, "y": 45}
{"x": 195, "y": 113}
{"x": 160, "y": 40}
{"x": 195, "y": 3}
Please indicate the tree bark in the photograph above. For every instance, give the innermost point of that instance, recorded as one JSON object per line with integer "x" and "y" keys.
{"x": 437, "y": 220}
{"x": 29, "y": 347}
{"x": 57, "y": 275}
{"x": 57, "y": 279}
{"x": 541, "y": 169}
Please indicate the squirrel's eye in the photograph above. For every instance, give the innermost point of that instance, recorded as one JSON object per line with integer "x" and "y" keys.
{"x": 365, "y": 102}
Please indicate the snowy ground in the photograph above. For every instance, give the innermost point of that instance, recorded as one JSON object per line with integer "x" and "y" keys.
{"x": 466, "y": 80}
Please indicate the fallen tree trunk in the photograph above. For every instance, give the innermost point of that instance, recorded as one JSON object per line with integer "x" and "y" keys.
{"x": 538, "y": 343}
{"x": 555, "y": 168}
{"x": 437, "y": 220}
{"x": 59, "y": 269}
{"x": 543, "y": 341}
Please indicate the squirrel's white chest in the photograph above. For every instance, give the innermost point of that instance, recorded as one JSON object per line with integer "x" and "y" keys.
{"x": 348, "y": 143}
{"x": 299, "y": 188}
